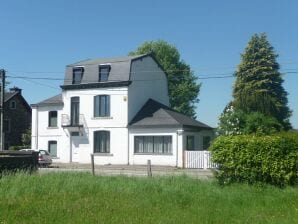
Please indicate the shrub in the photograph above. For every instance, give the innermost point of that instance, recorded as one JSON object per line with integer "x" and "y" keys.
{"x": 257, "y": 159}
{"x": 19, "y": 147}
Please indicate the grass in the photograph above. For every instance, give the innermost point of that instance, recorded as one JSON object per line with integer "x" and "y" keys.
{"x": 83, "y": 198}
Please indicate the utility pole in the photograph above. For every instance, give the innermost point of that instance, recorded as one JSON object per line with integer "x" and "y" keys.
{"x": 2, "y": 77}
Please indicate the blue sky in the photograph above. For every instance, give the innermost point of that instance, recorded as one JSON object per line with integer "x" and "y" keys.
{"x": 39, "y": 38}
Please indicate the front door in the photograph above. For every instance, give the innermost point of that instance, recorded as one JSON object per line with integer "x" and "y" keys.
{"x": 75, "y": 145}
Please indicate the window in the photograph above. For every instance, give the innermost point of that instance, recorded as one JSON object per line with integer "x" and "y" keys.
{"x": 206, "y": 142}
{"x": 190, "y": 143}
{"x": 6, "y": 126}
{"x": 101, "y": 142}
{"x": 77, "y": 74}
{"x": 12, "y": 105}
{"x": 74, "y": 111}
{"x": 153, "y": 144}
{"x": 53, "y": 119}
{"x": 52, "y": 148}
{"x": 104, "y": 71}
{"x": 102, "y": 106}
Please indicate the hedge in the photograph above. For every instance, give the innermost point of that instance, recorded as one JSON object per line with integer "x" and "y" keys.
{"x": 257, "y": 159}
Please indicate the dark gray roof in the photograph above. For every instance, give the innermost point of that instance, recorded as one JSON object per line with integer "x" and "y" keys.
{"x": 120, "y": 69}
{"x": 156, "y": 114}
{"x": 9, "y": 95}
{"x": 55, "y": 100}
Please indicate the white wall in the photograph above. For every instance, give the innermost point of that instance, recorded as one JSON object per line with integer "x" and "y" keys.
{"x": 148, "y": 81}
{"x": 118, "y": 102}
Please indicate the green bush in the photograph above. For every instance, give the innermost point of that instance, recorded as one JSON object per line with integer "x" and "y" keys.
{"x": 269, "y": 159}
{"x": 19, "y": 147}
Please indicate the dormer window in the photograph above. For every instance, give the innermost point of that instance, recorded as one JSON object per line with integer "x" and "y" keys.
{"x": 104, "y": 71}
{"x": 77, "y": 74}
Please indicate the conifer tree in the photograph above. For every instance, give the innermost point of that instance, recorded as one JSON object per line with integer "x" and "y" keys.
{"x": 258, "y": 86}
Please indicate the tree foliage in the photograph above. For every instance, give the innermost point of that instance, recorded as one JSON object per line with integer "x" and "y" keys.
{"x": 258, "y": 86}
{"x": 182, "y": 83}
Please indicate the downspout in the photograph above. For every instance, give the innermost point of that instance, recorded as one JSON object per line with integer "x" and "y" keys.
{"x": 36, "y": 128}
{"x": 176, "y": 148}
{"x": 128, "y": 146}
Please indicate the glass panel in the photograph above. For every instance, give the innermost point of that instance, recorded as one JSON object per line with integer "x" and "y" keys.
{"x": 139, "y": 143}
{"x": 53, "y": 148}
{"x": 53, "y": 119}
{"x": 104, "y": 73}
{"x": 75, "y": 110}
{"x": 77, "y": 75}
{"x": 102, "y": 106}
{"x": 148, "y": 144}
{"x": 158, "y": 144}
{"x": 167, "y": 144}
{"x": 206, "y": 142}
{"x": 190, "y": 143}
{"x": 102, "y": 141}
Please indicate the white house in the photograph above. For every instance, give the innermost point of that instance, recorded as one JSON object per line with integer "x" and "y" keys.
{"x": 117, "y": 109}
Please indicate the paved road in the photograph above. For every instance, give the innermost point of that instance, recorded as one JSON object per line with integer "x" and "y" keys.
{"x": 128, "y": 170}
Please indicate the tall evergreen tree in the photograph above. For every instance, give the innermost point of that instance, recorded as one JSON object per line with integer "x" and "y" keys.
{"x": 258, "y": 86}
{"x": 182, "y": 85}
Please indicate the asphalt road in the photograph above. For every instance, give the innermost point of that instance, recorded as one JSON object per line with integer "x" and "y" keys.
{"x": 128, "y": 170}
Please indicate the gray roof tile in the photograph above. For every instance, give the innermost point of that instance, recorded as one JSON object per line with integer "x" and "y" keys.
{"x": 55, "y": 100}
{"x": 154, "y": 113}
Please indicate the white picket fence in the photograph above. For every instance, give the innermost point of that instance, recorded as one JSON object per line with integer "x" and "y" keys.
{"x": 198, "y": 160}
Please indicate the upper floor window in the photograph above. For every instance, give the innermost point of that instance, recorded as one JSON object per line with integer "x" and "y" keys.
{"x": 104, "y": 71}
{"x": 12, "y": 104}
{"x": 52, "y": 118}
{"x": 101, "y": 142}
{"x": 77, "y": 74}
{"x": 102, "y": 106}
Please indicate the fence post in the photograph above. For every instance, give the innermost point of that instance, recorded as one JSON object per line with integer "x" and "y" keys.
{"x": 149, "y": 170}
{"x": 205, "y": 159}
{"x": 92, "y": 164}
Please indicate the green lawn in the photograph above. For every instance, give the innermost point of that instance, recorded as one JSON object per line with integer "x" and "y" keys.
{"x": 82, "y": 198}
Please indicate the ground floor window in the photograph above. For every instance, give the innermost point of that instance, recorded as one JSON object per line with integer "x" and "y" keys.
{"x": 52, "y": 148}
{"x": 206, "y": 142}
{"x": 153, "y": 144}
{"x": 101, "y": 142}
{"x": 190, "y": 143}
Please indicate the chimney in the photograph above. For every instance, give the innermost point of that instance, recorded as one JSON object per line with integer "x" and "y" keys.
{"x": 15, "y": 89}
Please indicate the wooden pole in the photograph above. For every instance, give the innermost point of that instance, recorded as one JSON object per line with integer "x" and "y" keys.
{"x": 92, "y": 164}
{"x": 149, "y": 170}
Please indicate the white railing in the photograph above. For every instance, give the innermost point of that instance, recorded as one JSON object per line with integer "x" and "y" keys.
{"x": 198, "y": 160}
{"x": 66, "y": 121}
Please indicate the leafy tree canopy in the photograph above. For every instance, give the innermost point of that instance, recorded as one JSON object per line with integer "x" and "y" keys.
{"x": 182, "y": 83}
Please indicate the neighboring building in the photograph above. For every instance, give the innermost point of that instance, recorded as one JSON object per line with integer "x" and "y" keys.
{"x": 117, "y": 109}
{"x": 17, "y": 117}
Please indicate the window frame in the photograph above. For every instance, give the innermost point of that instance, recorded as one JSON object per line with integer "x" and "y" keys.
{"x": 51, "y": 142}
{"x": 74, "y": 70}
{"x": 13, "y": 104}
{"x": 107, "y": 109}
{"x": 100, "y": 79}
{"x": 105, "y": 136}
{"x": 50, "y": 125}
{"x": 167, "y": 146}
